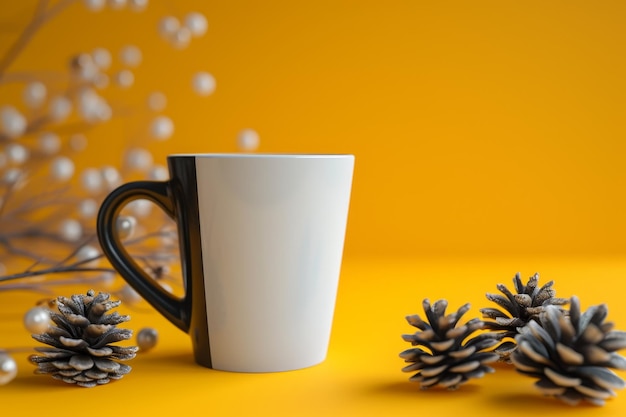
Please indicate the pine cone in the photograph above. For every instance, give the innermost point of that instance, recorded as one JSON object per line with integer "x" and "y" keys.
{"x": 571, "y": 354}
{"x": 447, "y": 355}
{"x": 520, "y": 309}
{"x": 81, "y": 351}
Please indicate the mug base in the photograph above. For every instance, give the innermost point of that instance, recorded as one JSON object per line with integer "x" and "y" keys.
{"x": 261, "y": 368}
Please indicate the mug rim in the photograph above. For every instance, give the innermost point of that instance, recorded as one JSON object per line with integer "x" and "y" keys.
{"x": 233, "y": 155}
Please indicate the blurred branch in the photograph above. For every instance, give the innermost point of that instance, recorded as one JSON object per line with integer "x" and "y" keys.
{"x": 46, "y": 222}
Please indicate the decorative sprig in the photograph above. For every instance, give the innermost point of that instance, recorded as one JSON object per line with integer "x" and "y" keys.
{"x": 41, "y": 138}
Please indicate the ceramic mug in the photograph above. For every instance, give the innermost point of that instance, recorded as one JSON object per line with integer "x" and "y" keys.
{"x": 261, "y": 242}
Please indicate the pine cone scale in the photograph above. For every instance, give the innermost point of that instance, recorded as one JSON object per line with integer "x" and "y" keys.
{"x": 48, "y": 340}
{"x": 428, "y": 372}
{"x": 69, "y": 372}
{"x": 96, "y": 374}
{"x": 57, "y": 332}
{"x": 106, "y": 365}
{"x": 102, "y": 352}
{"x": 81, "y": 362}
{"x": 73, "y": 343}
{"x": 463, "y": 353}
{"x": 457, "y": 333}
{"x": 432, "y": 360}
{"x": 492, "y": 313}
{"x": 502, "y": 301}
{"x": 595, "y": 355}
{"x": 560, "y": 379}
{"x": 464, "y": 367}
{"x": 614, "y": 340}
{"x": 603, "y": 377}
{"x": 479, "y": 372}
{"x": 569, "y": 356}
{"x": 46, "y": 369}
{"x": 528, "y": 348}
{"x": 442, "y": 346}
{"x": 413, "y": 367}
{"x": 526, "y": 366}
{"x": 54, "y": 353}
{"x": 112, "y": 336}
{"x": 592, "y": 334}
{"x": 600, "y": 394}
{"x": 62, "y": 365}
{"x": 548, "y": 387}
{"x": 82, "y": 378}
{"x": 95, "y": 330}
{"x": 617, "y": 362}
{"x": 451, "y": 381}
{"x": 76, "y": 320}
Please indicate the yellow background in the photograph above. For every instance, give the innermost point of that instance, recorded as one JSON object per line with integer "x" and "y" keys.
{"x": 479, "y": 127}
{"x": 488, "y": 135}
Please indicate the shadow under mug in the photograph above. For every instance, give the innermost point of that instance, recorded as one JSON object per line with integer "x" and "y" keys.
{"x": 261, "y": 242}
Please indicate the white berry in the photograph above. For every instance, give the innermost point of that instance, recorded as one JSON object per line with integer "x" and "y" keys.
{"x": 161, "y": 128}
{"x": 196, "y": 23}
{"x": 203, "y": 83}
{"x": 248, "y": 140}
{"x": 62, "y": 168}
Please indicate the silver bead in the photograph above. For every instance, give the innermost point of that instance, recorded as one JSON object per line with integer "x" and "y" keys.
{"x": 8, "y": 368}
{"x": 37, "y": 320}
{"x": 125, "y": 226}
{"x": 147, "y": 338}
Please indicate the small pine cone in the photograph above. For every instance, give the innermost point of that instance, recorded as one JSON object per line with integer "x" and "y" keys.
{"x": 81, "y": 351}
{"x": 520, "y": 308}
{"x": 571, "y": 354}
{"x": 447, "y": 354}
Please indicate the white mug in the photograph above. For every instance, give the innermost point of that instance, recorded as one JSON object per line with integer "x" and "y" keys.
{"x": 261, "y": 241}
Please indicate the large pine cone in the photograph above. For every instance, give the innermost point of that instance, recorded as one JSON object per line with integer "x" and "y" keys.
{"x": 519, "y": 309}
{"x": 445, "y": 354}
{"x": 571, "y": 354}
{"x": 81, "y": 351}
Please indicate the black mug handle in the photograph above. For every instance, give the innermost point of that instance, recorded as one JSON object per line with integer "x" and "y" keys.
{"x": 174, "y": 309}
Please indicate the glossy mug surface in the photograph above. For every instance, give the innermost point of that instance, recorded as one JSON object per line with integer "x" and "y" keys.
{"x": 261, "y": 241}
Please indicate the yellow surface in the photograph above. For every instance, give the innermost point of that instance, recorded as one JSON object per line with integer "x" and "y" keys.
{"x": 361, "y": 376}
